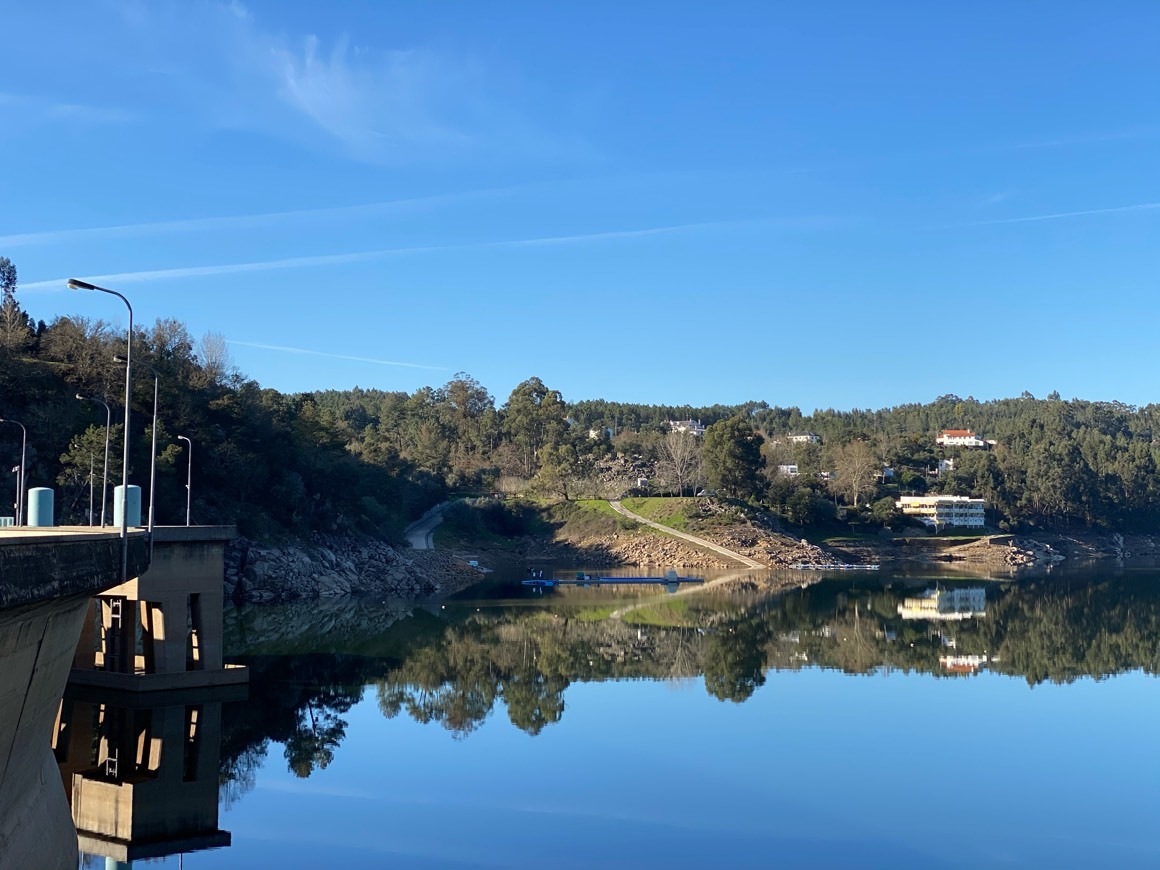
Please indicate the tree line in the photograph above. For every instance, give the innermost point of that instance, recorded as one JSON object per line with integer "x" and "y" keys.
{"x": 369, "y": 460}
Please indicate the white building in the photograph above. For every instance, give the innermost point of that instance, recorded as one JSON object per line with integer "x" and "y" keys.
{"x": 693, "y": 426}
{"x": 939, "y": 511}
{"x": 963, "y": 664}
{"x": 787, "y": 470}
{"x": 803, "y": 438}
{"x": 961, "y": 603}
{"x": 959, "y": 438}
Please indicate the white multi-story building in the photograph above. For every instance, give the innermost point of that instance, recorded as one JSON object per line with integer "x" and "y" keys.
{"x": 959, "y": 438}
{"x": 960, "y": 603}
{"x": 939, "y": 511}
{"x": 803, "y": 438}
{"x": 693, "y": 426}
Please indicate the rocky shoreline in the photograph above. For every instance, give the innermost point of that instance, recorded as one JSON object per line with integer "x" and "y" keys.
{"x": 327, "y": 566}
{"x": 331, "y": 565}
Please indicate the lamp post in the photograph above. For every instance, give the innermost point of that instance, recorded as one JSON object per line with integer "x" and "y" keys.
{"x": 91, "y": 460}
{"x": 20, "y": 491}
{"x": 153, "y": 455}
{"x": 105, "y": 473}
{"x": 74, "y": 284}
{"x": 188, "y": 477}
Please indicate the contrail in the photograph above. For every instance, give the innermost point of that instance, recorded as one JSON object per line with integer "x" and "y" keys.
{"x": 359, "y": 256}
{"x": 1144, "y": 206}
{"x": 365, "y": 359}
{"x": 243, "y": 221}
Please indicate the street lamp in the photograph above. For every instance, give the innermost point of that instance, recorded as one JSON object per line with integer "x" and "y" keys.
{"x": 153, "y": 455}
{"x": 74, "y": 284}
{"x": 188, "y": 477}
{"x": 20, "y": 491}
{"x": 105, "y": 473}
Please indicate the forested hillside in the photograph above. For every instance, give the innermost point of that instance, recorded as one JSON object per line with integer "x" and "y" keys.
{"x": 368, "y": 460}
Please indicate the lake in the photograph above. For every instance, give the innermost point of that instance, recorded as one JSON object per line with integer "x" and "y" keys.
{"x": 894, "y": 720}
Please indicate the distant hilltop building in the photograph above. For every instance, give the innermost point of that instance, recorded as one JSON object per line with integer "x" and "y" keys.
{"x": 693, "y": 426}
{"x": 962, "y": 664}
{"x": 787, "y": 470}
{"x": 961, "y": 438}
{"x": 948, "y": 604}
{"x": 939, "y": 511}
{"x": 803, "y": 438}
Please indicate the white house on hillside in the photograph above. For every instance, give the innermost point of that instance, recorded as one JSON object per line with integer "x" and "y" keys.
{"x": 959, "y": 438}
{"x": 803, "y": 438}
{"x": 787, "y": 470}
{"x": 693, "y": 426}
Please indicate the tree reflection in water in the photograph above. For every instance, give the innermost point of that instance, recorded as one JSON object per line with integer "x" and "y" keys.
{"x": 311, "y": 663}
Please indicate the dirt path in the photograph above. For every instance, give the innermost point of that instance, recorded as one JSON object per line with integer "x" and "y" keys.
{"x": 687, "y": 590}
{"x": 692, "y": 539}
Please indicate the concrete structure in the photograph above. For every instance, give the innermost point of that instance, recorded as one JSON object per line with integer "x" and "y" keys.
{"x": 140, "y": 771}
{"x": 693, "y": 426}
{"x": 959, "y": 438}
{"x": 946, "y": 604}
{"x": 46, "y": 578}
{"x": 162, "y": 630}
{"x": 940, "y": 511}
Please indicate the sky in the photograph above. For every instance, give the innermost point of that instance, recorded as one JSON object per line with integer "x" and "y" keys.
{"x": 832, "y": 204}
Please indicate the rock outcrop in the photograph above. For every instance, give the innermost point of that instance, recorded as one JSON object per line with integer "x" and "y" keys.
{"x": 331, "y": 565}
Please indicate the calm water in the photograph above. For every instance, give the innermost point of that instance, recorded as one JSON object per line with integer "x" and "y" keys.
{"x": 516, "y": 729}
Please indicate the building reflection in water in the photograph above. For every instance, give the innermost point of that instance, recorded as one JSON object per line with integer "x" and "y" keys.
{"x": 140, "y": 770}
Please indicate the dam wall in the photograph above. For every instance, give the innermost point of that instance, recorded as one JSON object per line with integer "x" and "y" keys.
{"x": 46, "y": 580}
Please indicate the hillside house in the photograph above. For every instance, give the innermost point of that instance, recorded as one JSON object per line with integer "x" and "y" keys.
{"x": 693, "y": 426}
{"x": 959, "y": 438}
{"x": 940, "y": 511}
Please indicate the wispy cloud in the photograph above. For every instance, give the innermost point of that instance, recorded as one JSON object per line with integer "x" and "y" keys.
{"x": 40, "y": 110}
{"x": 240, "y": 222}
{"x": 1095, "y": 138}
{"x": 362, "y": 256}
{"x": 1062, "y": 215}
{"x": 375, "y": 103}
{"x": 988, "y": 201}
{"x": 363, "y": 359}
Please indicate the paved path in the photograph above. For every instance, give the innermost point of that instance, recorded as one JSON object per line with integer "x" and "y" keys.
{"x": 692, "y": 539}
{"x": 420, "y": 532}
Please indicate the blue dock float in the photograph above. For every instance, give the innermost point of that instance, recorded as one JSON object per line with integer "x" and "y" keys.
{"x": 581, "y": 579}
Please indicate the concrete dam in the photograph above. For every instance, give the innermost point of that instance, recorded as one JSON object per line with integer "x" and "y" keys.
{"x": 151, "y": 644}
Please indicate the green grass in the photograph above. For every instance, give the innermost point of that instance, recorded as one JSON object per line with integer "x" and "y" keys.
{"x": 671, "y": 512}
{"x": 588, "y": 518}
{"x": 594, "y": 614}
{"x": 671, "y": 614}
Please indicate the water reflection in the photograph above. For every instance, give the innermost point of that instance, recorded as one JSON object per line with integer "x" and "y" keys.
{"x": 141, "y": 771}
{"x": 452, "y": 664}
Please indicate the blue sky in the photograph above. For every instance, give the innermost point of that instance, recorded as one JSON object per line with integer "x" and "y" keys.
{"x": 823, "y": 205}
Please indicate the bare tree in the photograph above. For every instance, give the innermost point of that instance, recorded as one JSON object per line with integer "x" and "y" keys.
{"x": 680, "y": 460}
{"x": 214, "y": 351}
{"x": 855, "y": 466}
